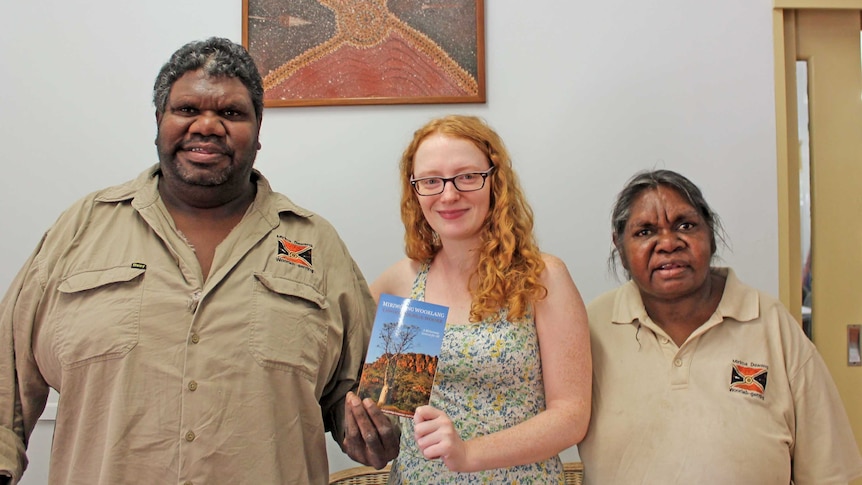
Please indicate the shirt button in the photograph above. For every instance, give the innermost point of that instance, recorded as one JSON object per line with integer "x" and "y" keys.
{"x": 193, "y": 386}
{"x": 193, "y": 301}
{"x": 677, "y": 362}
{"x": 190, "y": 436}
{"x": 665, "y": 340}
{"x": 196, "y": 338}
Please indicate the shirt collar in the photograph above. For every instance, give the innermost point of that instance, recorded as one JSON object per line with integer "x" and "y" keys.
{"x": 143, "y": 191}
{"x": 739, "y": 302}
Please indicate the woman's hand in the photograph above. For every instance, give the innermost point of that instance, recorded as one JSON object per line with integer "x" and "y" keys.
{"x": 437, "y": 438}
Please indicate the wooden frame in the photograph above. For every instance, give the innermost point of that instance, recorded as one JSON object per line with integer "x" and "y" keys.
{"x": 789, "y": 247}
{"x": 347, "y": 52}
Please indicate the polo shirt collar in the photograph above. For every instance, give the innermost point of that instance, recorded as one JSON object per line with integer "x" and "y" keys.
{"x": 739, "y": 302}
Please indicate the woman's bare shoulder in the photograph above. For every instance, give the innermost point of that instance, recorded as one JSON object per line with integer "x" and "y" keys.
{"x": 555, "y": 267}
{"x": 397, "y": 279}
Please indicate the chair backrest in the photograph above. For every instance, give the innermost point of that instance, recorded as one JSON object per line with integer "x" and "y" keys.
{"x": 366, "y": 475}
{"x": 574, "y": 471}
{"x": 360, "y": 475}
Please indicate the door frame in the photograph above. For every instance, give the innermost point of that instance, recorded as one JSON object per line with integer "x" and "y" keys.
{"x": 787, "y": 139}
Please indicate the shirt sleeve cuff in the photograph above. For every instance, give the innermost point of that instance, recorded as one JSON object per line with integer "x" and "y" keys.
{"x": 13, "y": 459}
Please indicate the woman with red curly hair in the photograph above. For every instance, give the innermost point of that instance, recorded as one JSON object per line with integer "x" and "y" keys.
{"x": 513, "y": 378}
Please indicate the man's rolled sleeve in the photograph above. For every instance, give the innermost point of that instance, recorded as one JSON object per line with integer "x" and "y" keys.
{"x": 13, "y": 459}
{"x": 18, "y": 371}
{"x": 357, "y": 313}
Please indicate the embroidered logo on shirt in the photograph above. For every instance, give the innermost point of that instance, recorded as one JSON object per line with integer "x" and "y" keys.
{"x": 295, "y": 253}
{"x": 139, "y": 266}
{"x": 748, "y": 378}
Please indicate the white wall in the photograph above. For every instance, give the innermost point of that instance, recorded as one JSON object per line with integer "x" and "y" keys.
{"x": 584, "y": 93}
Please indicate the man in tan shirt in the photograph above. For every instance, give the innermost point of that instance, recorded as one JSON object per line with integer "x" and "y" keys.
{"x": 199, "y": 327}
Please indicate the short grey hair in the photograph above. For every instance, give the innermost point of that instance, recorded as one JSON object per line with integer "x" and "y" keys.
{"x": 652, "y": 179}
{"x": 218, "y": 57}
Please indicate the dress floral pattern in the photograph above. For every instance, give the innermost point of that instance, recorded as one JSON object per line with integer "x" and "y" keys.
{"x": 489, "y": 377}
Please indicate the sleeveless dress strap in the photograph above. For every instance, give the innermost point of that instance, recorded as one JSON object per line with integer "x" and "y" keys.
{"x": 418, "y": 290}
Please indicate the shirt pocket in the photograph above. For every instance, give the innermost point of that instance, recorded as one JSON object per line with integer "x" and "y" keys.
{"x": 98, "y": 314}
{"x": 289, "y": 325}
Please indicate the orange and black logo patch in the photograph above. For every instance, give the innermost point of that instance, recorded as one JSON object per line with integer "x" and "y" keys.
{"x": 748, "y": 378}
{"x": 295, "y": 253}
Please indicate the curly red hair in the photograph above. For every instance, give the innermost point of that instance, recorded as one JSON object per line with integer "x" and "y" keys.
{"x": 510, "y": 263}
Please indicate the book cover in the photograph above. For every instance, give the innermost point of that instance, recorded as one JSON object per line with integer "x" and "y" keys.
{"x": 402, "y": 355}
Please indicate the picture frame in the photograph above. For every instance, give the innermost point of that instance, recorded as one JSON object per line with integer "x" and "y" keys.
{"x": 366, "y": 52}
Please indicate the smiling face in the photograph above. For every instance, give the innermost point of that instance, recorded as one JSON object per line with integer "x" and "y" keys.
{"x": 453, "y": 215}
{"x": 208, "y": 133}
{"x": 666, "y": 245}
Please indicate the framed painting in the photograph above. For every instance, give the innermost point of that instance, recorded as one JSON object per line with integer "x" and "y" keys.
{"x": 341, "y": 52}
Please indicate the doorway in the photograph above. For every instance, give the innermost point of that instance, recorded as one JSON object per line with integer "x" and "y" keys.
{"x": 819, "y": 125}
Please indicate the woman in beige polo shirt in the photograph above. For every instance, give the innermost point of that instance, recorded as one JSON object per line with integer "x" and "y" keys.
{"x": 698, "y": 378}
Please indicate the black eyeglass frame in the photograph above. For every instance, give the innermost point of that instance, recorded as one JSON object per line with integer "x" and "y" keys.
{"x": 484, "y": 176}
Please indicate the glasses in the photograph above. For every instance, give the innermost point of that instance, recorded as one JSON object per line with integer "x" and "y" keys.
{"x": 464, "y": 182}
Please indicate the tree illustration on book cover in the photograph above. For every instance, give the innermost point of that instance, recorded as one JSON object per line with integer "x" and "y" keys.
{"x": 402, "y": 356}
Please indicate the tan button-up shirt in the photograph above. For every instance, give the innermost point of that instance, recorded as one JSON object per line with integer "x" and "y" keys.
{"x": 168, "y": 378}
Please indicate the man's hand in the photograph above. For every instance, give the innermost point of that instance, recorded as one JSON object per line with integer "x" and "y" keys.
{"x": 370, "y": 437}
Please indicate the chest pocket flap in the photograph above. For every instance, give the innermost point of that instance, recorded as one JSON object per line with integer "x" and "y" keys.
{"x": 97, "y": 314}
{"x": 290, "y": 325}
{"x": 93, "y": 279}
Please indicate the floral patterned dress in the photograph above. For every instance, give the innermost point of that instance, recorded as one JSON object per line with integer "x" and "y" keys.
{"x": 489, "y": 377}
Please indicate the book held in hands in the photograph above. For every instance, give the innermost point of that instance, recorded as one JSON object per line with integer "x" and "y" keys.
{"x": 402, "y": 356}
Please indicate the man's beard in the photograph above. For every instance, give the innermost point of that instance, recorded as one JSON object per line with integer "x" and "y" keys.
{"x": 209, "y": 178}
{"x": 200, "y": 175}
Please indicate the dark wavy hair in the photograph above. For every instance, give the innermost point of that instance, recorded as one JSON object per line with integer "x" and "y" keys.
{"x": 218, "y": 57}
